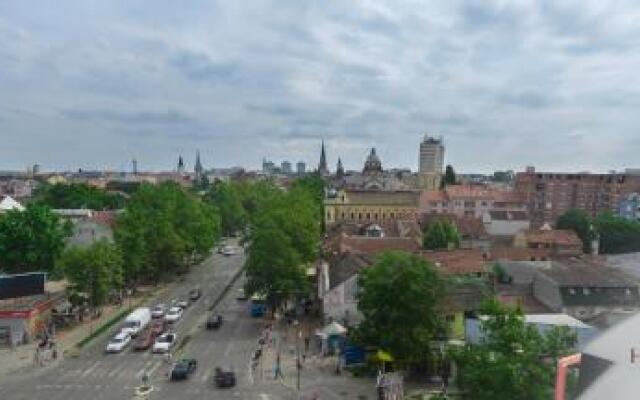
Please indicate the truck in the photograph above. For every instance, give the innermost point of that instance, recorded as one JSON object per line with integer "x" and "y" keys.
{"x": 136, "y": 321}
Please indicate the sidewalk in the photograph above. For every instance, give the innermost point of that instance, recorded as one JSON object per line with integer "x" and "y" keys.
{"x": 317, "y": 374}
{"x": 24, "y": 357}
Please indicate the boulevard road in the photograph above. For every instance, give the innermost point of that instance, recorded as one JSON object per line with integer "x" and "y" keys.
{"x": 95, "y": 375}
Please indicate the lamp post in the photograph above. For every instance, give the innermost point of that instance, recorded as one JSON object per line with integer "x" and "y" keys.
{"x": 298, "y": 365}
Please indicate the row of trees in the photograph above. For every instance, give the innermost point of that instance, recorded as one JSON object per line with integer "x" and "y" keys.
{"x": 162, "y": 229}
{"x": 513, "y": 361}
{"x": 616, "y": 234}
{"x": 78, "y": 195}
{"x": 285, "y": 228}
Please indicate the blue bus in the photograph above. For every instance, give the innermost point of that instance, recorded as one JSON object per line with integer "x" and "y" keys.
{"x": 258, "y": 305}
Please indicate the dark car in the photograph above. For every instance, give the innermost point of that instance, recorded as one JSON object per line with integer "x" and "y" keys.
{"x": 225, "y": 377}
{"x": 183, "y": 369}
{"x": 195, "y": 294}
{"x": 144, "y": 340}
{"x": 158, "y": 327}
{"x": 214, "y": 321}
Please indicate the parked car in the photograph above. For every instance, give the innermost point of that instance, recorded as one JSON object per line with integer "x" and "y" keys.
{"x": 214, "y": 321}
{"x": 144, "y": 340}
{"x": 118, "y": 342}
{"x": 183, "y": 369}
{"x": 158, "y": 327}
{"x": 195, "y": 294}
{"x": 225, "y": 377}
{"x": 164, "y": 342}
{"x": 173, "y": 315}
{"x": 158, "y": 311}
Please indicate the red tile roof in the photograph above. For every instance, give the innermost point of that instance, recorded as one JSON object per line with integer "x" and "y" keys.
{"x": 564, "y": 237}
{"x": 459, "y": 261}
{"x": 371, "y": 245}
{"x": 106, "y": 218}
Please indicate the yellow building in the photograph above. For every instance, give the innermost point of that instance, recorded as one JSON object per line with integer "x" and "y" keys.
{"x": 365, "y": 206}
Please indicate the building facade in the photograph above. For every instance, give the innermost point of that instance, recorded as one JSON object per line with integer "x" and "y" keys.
{"x": 363, "y": 206}
{"x": 431, "y": 155}
{"x": 550, "y": 194}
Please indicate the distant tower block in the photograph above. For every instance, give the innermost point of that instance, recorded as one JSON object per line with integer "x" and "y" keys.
{"x": 134, "y": 165}
{"x": 431, "y": 155}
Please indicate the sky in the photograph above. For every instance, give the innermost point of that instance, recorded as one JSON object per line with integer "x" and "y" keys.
{"x": 94, "y": 84}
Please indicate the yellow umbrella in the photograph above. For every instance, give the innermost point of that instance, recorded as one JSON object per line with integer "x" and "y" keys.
{"x": 383, "y": 357}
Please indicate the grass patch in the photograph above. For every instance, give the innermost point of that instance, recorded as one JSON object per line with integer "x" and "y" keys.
{"x": 101, "y": 329}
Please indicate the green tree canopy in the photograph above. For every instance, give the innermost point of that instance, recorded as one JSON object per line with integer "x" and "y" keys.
{"x": 31, "y": 240}
{"x": 578, "y": 221}
{"x": 617, "y": 234}
{"x": 164, "y": 228}
{"x": 449, "y": 177}
{"x": 93, "y": 271}
{"x": 440, "y": 234}
{"x": 399, "y": 298}
{"x": 226, "y": 198}
{"x": 514, "y": 361}
{"x": 78, "y": 195}
{"x": 284, "y": 237}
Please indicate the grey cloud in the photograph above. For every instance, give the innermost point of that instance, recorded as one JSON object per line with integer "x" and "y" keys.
{"x": 526, "y": 99}
{"x": 169, "y": 117}
{"x": 200, "y": 67}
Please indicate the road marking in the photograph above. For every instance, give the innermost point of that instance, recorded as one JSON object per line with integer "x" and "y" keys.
{"x": 154, "y": 367}
{"x": 90, "y": 370}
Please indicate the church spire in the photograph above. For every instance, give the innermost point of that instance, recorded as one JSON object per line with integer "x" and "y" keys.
{"x": 322, "y": 166}
{"x": 180, "y": 164}
{"x": 198, "y": 168}
{"x": 339, "y": 169}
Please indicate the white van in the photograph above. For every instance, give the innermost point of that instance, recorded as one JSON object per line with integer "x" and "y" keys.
{"x": 136, "y": 321}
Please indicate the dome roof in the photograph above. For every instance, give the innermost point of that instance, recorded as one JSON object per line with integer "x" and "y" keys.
{"x": 373, "y": 163}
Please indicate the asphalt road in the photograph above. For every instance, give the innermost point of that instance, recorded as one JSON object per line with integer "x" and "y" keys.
{"x": 95, "y": 375}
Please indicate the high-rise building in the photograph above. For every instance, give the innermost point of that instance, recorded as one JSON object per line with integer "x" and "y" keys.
{"x": 301, "y": 168}
{"x": 431, "y": 155}
{"x": 268, "y": 167}
{"x": 322, "y": 165}
{"x": 285, "y": 168}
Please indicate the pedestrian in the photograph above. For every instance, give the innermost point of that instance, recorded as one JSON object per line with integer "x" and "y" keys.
{"x": 307, "y": 341}
{"x": 167, "y": 357}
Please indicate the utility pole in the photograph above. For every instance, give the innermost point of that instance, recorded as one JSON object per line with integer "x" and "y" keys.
{"x": 298, "y": 365}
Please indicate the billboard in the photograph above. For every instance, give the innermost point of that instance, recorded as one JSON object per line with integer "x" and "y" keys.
{"x": 21, "y": 285}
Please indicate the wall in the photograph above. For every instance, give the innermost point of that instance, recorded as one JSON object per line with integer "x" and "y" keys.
{"x": 506, "y": 228}
{"x": 340, "y": 303}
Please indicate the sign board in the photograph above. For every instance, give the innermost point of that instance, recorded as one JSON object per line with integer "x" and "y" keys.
{"x": 21, "y": 285}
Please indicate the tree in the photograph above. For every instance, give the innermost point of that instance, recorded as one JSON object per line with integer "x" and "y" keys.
{"x": 164, "y": 228}
{"x": 274, "y": 268}
{"x": 513, "y": 361}
{"x": 617, "y": 234}
{"x": 78, "y": 195}
{"x": 449, "y": 177}
{"x": 440, "y": 235}
{"x": 93, "y": 271}
{"x": 225, "y": 197}
{"x": 31, "y": 240}
{"x": 399, "y": 298}
{"x": 578, "y": 221}
{"x": 283, "y": 239}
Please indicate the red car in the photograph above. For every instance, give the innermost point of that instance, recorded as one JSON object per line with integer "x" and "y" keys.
{"x": 144, "y": 340}
{"x": 157, "y": 327}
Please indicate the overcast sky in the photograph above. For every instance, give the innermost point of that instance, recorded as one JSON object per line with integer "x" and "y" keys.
{"x": 93, "y": 84}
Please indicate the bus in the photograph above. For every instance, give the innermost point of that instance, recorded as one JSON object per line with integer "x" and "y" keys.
{"x": 258, "y": 305}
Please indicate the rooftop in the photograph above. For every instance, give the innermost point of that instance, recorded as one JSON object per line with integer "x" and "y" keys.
{"x": 586, "y": 274}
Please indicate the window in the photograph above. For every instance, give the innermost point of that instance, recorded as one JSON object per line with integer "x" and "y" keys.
{"x": 572, "y": 291}
{"x": 353, "y": 216}
{"x": 586, "y": 291}
{"x": 375, "y": 216}
{"x": 359, "y": 216}
{"x": 342, "y": 215}
{"x": 368, "y": 215}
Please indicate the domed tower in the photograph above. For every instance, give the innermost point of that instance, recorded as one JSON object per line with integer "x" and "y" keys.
{"x": 373, "y": 164}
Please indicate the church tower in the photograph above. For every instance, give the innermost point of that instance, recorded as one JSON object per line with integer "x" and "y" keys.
{"x": 322, "y": 166}
{"x": 339, "y": 170}
{"x": 198, "y": 168}
{"x": 180, "y": 168}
